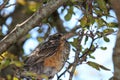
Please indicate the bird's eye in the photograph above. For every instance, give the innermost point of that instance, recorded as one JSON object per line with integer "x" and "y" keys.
{"x": 59, "y": 35}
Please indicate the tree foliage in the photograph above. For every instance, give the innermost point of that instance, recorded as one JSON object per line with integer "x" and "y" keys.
{"x": 92, "y": 26}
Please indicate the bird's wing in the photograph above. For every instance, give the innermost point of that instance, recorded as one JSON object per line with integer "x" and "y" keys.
{"x": 41, "y": 52}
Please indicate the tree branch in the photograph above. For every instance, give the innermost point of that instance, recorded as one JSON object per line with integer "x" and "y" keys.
{"x": 34, "y": 20}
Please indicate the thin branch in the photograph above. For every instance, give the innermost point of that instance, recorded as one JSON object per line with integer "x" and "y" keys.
{"x": 23, "y": 28}
{"x": 3, "y": 5}
{"x": 10, "y": 5}
{"x": 77, "y": 52}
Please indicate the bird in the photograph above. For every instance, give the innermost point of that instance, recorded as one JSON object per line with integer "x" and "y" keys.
{"x": 49, "y": 57}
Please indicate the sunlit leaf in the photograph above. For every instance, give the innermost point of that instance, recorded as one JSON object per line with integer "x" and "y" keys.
{"x": 29, "y": 73}
{"x": 22, "y": 2}
{"x": 44, "y": 77}
{"x": 8, "y": 55}
{"x": 4, "y": 63}
{"x": 17, "y": 63}
{"x": 9, "y": 77}
{"x": 33, "y": 6}
{"x": 15, "y": 78}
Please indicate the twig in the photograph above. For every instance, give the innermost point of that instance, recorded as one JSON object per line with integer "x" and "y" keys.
{"x": 3, "y": 5}
{"x": 76, "y": 61}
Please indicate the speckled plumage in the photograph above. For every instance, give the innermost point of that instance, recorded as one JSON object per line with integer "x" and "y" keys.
{"x": 49, "y": 57}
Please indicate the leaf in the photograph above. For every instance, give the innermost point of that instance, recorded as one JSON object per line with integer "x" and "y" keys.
{"x": 106, "y": 39}
{"x": 86, "y": 39}
{"x": 94, "y": 65}
{"x": 112, "y": 24}
{"x": 91, "y": 56}
{"x": 98, "y": 12}
{"x": 102, "y": 6}
{"x": 83, "y": 21}
{"x": 15, "y": 78}
{"x": 22, "y": 2}
{"x": 91, "y": 19}
{"x": 4, "y": 63}
{"x": 44, "y": 77}
{"x": 74, "y": 43}
{"x": 68, "y": 16}
{"x": 100, "y": 22}
{"x": 103, "y": 48}
{"x": 17, "y": 63}
{"x": 39, "y": 39}
{"x": 103, "y": 67}
{"x": 33, "y": 6}
{"x": 28, "y": 35}
{"x": 108, "y": 31}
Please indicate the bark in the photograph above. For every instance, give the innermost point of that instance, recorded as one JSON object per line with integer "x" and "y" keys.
{"x": 116, "y": 54}
{"x": 23, "y": 28}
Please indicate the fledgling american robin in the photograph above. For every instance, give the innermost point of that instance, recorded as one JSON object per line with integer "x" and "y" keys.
{"x": 49, "y": 57}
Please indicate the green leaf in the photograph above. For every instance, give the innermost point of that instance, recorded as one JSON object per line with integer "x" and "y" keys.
{"x": 106, "y": 39}
{"x": 102, "y": 6}
{"x": 4, "y": 63}
{"x": 15, "y": 78}
{"x": 83, "y": 21}
{"x": 91, "y": 56}
{"x": 98, "y": 12}
{"x": 28, "y": 35}
{"x": 68, "y": 16}
{"x": 103, "y": 67}
{"x": 17, "y": 63}
{"x": 94, "y": 65}
{"x": 100, "y": 22}
{"x": 103, "y": 48}
{"x": 74, "y": 43}
{"x": 112, "y": 24}
{"x": 91, "y": 19}
{"x": 86, "y": 39}
{"x": 108, "y": 31}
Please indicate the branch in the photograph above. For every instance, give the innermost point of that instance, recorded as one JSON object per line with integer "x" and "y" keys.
{"x": 3, "y": 5}
{"x": 77, "y": 51}
{"x": 23, "y": 28}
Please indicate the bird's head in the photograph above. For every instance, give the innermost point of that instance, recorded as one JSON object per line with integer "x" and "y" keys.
{"x": 56, "y": 36}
